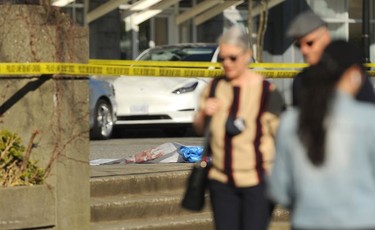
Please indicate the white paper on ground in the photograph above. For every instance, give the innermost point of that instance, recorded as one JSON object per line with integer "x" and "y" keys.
{"x": 165, "y": 153}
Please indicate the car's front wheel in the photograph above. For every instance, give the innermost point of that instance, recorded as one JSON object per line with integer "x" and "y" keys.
{"x": 103, "y": 121}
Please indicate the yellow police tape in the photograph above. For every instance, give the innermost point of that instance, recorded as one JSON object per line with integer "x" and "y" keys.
{"x": 147, "y": 68}
{"x": 186, "y": 64}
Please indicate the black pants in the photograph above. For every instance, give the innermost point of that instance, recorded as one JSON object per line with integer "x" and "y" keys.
{"x": 239, "y": 208}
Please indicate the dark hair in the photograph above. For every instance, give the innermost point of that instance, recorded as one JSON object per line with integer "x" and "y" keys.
{"x": 317, "y": 92}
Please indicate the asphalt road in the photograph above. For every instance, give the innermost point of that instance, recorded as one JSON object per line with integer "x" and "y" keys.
{"x": 127, "y": 142}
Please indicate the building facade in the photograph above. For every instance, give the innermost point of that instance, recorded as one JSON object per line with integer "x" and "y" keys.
{"x": 121, "y": 29}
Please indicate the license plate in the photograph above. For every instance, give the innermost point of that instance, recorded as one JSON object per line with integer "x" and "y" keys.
{"x": 139, "y": 109}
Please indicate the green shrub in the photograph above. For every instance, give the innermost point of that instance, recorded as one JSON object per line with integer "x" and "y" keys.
{"x": 15, "y": 166}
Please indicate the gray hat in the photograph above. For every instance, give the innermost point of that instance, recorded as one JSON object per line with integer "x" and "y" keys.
{"x": 304, "y": 23}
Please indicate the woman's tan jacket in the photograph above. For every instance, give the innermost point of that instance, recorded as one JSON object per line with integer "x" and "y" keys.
{"x": 243, "y": 160}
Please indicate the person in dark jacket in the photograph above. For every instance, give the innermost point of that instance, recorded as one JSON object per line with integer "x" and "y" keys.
{"x": 311, "y": 36}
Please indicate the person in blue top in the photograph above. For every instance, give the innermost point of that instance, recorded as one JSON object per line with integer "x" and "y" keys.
{"x": 324, "y": 169}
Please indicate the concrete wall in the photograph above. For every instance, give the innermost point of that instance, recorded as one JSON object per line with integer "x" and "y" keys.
{"x": 56, "y": 106}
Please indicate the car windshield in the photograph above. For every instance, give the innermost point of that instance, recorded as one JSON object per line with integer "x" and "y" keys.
{"x": 180, "y": 54}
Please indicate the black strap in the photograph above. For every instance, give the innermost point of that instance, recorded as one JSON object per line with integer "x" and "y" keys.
{"x": 214, "y": 83}
{"x": 206, "y": 144}
{"x": 213, "y": 86}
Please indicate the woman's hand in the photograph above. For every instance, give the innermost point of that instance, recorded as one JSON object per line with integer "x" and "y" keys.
{"x": 212, "y": 106}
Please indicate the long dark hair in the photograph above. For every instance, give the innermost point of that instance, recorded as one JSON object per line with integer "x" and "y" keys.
{"x": 317, "y": 92}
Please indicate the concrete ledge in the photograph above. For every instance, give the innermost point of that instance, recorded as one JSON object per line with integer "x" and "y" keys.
{"x": 102, "y": 171}
{"x": 27, "y": 207}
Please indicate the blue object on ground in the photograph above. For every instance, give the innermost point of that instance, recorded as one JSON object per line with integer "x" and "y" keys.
{"x": 191, "y": 154}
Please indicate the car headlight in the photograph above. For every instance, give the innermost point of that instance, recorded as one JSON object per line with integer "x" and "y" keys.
{"x": 187, "y": 88}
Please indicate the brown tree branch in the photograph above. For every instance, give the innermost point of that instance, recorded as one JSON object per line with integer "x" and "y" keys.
{"x": 28, "y": 150}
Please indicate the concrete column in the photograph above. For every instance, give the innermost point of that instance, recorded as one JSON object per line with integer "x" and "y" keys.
{"x": 56, "y": 106}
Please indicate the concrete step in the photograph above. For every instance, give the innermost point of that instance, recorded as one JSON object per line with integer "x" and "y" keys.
{"x": 148, "y": 197}
{"x": 145, "y": 205}
{"x": 143, "y": 197}
{"x": 196, "y": 221}
{"x": 137, "y": 179}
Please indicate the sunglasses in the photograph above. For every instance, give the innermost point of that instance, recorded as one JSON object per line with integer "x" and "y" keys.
{"x": 308, "y": 43}
{"x": 232, "y": 58}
